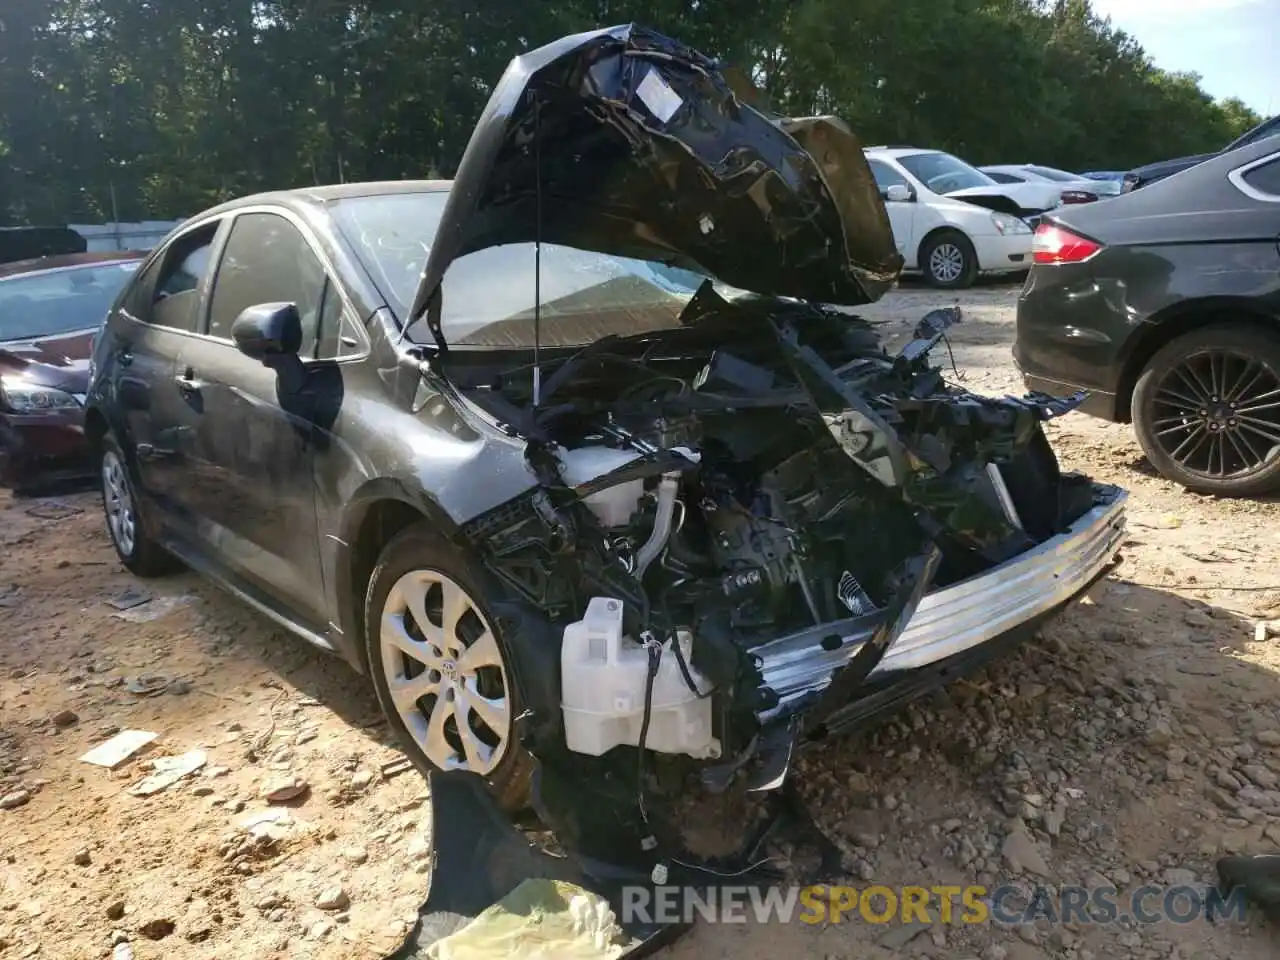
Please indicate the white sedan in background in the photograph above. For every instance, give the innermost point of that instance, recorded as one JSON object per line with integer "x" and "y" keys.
{"x": 1076, "y": 188}
{"x": 947, "y": 218}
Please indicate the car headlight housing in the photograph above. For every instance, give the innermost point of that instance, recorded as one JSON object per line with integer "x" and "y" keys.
{"x": 1007, "y": 224}
{"x": 22, "y": 396}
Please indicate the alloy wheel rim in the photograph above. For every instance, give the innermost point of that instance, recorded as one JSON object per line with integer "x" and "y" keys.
{"x": 445, "y": 673}
{"x": 946, "y": 262}
{"x": 1217, "y": 414}
{"x": 119, "y": 503}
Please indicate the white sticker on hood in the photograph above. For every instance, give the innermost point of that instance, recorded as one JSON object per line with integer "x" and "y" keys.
{"x": 662, "y": 101}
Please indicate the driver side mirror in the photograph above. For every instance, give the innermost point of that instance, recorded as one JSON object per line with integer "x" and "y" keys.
{"x": 268, "y": 330}
{"x": 897, "y": 193}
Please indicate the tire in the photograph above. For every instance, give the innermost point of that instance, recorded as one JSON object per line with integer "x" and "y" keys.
{"x": 1207, "y": 411}
{"x": 127, "y": 525}
{"x": 420, "y": 558}
{"x": 948, "y": 260}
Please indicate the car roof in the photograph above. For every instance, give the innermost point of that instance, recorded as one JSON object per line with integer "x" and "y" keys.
{"x": 894, "y": 153}
{"x": 328, "y": 193}
{"x": 65, "y": 260}
{"x": 1169, "y": 209}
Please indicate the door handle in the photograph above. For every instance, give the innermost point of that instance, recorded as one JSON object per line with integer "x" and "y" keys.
{"x": 124, "y": 356}
{"x": 187, "y": 383}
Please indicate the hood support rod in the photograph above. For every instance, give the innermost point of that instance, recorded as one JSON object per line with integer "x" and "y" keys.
{"x": 537, "y": 250}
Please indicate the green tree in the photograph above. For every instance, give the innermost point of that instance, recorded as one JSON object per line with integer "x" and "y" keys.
{"x": 162, "y": 107}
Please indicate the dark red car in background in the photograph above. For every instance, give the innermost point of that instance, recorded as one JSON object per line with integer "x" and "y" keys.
{"x": 50, "y": 310}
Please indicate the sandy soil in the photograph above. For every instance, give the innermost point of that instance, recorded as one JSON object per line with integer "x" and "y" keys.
{"x": 182, "y": 873}
{"x": 1131, "y": 743}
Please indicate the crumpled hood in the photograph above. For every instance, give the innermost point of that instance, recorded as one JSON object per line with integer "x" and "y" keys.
{"x": 645, "y": 152}
{"x": 58, "y": 362}
{"x": 1028, "y": 196}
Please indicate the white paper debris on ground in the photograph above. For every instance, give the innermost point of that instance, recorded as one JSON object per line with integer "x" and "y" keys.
{"x": 168, "y": 771}
{"x": 153, "y": 610}
{"x": 118, "y": 749}
{"x": 273, "y": 823}
{"x": 256, "y": 818}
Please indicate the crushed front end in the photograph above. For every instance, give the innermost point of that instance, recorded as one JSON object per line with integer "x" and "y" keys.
{"x": 751, "y": 526}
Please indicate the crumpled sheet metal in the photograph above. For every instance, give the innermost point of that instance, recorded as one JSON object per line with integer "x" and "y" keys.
{"x": 482, "y": 860}
{"x": 643, "y": 150}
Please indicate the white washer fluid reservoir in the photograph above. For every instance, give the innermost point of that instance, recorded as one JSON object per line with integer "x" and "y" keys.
{"x": 615, "y": 505}
{"x": 603, "y": 674}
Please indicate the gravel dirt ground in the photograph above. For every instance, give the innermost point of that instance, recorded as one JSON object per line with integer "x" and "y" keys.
{"x": 1135, "y": 740}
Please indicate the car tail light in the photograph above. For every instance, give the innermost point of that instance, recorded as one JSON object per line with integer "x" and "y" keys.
{"x": 1078, "y": 196}
{"x": 1055, "y": 245}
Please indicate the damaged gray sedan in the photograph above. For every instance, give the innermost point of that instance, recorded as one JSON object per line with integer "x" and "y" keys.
{"x": 583, "y": 458}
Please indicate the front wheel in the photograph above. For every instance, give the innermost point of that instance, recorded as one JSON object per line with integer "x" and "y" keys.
{"x": 130, "y": 535}
{"x": 1207, "y": 411}
{"x": 440, "y": 665}
{"x": 948, "y": 261}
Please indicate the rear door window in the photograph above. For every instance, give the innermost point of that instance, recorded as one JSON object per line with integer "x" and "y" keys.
{"x": 175, "y": 296}
{"x": 1266, "y": 178}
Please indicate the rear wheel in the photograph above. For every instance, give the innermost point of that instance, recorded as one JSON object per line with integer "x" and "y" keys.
{"x": 948, "y": 260}
{"x": 440, "y": 665}
{"x": 1207, "y": 411}
{"x": 130, "y": 534}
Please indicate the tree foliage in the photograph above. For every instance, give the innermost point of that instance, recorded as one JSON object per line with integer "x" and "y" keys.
{"x": 158, "y": 108}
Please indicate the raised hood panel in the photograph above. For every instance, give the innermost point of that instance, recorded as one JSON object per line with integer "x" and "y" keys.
{"x": 645, "y": 152}
{"x": 1028, "y": 196}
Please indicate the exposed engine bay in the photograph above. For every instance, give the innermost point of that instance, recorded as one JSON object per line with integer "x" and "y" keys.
{"x": 727, "y": 524}
{"x": 700, "y": 500}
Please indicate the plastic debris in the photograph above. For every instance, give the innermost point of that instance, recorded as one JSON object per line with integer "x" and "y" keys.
{"x": 168, "y": 771}
{"x": 118, "y": 749}
{"x": 394, "y": 767}
{"x": 146, "y": 684}
{"x": 273, "y": 824}
{"x": 128, "y": 599}
{"x": 52, "y": 510}
{"x": 151, "y": 609}
{"x": 542, "y": 919}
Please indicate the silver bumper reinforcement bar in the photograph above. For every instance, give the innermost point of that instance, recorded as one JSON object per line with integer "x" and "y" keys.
{"x": 959, "y": 617}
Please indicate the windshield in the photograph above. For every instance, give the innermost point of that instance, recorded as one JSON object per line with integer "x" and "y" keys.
{"x": 1053, "y": 173}
{"x": 487, "y": 297}
{"x": 943, "y": 173}
{"x": 59, "y": 301}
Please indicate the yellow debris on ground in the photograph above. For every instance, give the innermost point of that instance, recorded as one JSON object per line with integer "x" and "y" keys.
{"x": 538, "y": 920}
